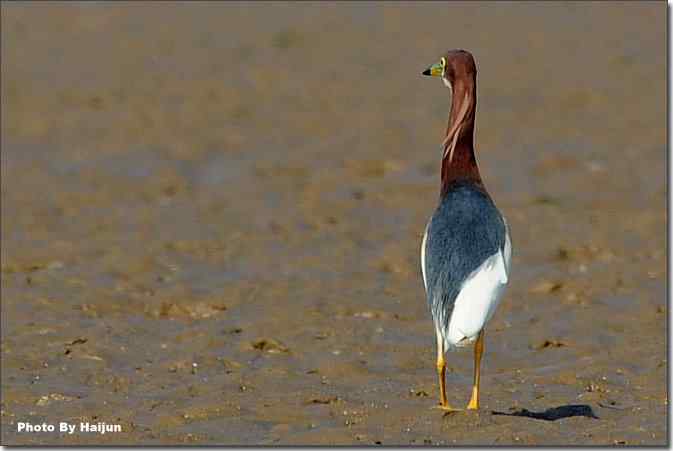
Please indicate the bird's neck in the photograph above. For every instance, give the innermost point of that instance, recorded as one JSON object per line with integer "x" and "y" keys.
{"x": 458, "y": 162}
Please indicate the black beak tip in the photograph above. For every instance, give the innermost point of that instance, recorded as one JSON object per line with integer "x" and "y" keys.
{"x": 426, "y": 71}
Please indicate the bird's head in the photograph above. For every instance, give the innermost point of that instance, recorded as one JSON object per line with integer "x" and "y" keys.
{"x": 454, "y": 65}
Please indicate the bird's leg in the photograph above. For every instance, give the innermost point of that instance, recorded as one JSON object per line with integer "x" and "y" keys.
{"x": 441, "y": 372}
{"x": 478, "y": 351}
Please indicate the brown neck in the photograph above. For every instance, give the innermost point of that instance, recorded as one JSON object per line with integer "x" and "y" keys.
{"x": 459, "y": 163}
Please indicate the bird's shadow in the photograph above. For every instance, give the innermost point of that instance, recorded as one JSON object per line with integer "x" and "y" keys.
{"x": 554, "y": 413}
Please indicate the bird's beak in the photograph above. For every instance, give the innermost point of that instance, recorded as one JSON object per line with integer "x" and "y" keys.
{"x": 434, "y": 71}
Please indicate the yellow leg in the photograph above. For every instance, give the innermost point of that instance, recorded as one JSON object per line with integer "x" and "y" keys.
{"x": 441, "y": 372}
{"x": 478, "y": 351}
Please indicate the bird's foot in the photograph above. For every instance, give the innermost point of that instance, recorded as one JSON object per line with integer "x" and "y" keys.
{"x": 474, "y": 400}
{"x": 472, "y": 405}
{"x": 446, "y": 408}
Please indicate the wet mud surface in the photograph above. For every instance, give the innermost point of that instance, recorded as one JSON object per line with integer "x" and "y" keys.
{"x": 211, "y": 220}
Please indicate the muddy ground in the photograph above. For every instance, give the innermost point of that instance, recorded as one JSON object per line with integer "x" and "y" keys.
{"x": 212, "y": 213}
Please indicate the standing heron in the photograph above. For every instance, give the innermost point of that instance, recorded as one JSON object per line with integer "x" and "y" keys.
{"x": 466, "y": 248}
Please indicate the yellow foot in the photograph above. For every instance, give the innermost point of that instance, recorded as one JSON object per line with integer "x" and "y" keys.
{"x": 446, "y": 408}
{"x": 474, "y": 400}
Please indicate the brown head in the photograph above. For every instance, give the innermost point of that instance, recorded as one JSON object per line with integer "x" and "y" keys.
{"x": 458, "y": 71}
{"x": 454, "y": 65}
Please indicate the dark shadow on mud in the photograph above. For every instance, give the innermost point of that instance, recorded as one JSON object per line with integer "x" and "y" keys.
{"x": 554, "y": 413}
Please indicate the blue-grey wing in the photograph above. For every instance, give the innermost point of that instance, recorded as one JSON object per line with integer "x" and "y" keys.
{"x": 464, "y": 231}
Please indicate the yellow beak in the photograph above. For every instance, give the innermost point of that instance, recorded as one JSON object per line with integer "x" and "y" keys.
{"x": 434, "y": 71}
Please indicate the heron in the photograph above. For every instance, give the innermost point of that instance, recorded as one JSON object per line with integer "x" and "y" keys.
{"x": 466, "y": 248}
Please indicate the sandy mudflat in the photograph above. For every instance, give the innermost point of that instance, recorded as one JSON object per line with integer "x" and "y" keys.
{"x": 211, "y": 220}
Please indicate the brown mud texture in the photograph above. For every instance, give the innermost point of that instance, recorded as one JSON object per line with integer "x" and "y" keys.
{"x": 212, "y": 213}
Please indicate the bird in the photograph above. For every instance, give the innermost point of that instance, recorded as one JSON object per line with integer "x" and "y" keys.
{"x": 466, "y": 247}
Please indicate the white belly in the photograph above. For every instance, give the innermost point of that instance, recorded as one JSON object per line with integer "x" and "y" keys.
{"x": 478, "y": 298}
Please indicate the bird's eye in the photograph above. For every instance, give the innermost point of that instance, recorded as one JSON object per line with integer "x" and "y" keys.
{"x": 443, "y": 62}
